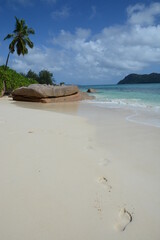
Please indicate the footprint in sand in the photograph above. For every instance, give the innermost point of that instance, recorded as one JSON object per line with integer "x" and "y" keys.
{"x": 124, "y": 219}
{"x": 98, "y": 206}
{"x": 104, "y": 181}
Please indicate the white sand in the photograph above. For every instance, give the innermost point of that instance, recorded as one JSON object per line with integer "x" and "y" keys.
{"x": 62, "y": 178}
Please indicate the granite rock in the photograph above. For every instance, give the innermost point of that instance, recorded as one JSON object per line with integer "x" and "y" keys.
{"x": 44, "y": 91}
{"x": 75, "y": 97}
{"x": 48, "y": 93}
{"x": 91, "y": 90}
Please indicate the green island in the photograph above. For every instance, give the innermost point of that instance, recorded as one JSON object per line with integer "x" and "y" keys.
{"x": 140, "y": 78}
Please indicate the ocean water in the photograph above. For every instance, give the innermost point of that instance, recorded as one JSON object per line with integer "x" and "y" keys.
{"x": 142, "y": 99}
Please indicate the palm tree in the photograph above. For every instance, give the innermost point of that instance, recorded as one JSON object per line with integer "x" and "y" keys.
{"x": 20, "y": 39}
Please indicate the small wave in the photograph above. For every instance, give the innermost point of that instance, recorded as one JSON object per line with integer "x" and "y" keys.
{"x": 149, "y": 121}
{"x": 129, "y": 103}
{"x": 145, "y": 114}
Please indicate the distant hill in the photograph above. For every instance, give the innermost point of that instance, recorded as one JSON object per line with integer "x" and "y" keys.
{"x": 138, "y": 78}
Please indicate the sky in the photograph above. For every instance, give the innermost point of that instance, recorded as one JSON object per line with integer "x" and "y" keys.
{"x": 85, "y": 41}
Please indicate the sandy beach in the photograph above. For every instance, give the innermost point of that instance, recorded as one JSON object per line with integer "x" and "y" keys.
{"x": 76, "y": 171}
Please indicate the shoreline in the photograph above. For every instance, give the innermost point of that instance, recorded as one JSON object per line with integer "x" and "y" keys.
{"x": 143, "y": 116}
{"x": 72, "y": 176}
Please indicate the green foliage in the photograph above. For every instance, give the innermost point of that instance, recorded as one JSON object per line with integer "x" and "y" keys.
{"x": 32, "y": 75}
{"x": 45, "y": 77}
{"x": 20, "y": 37}
{"x": 13, "y": 79}
{"x": 1, "y": 86}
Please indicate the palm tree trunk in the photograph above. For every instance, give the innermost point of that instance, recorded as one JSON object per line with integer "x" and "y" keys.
{"x": 7, "y": 60}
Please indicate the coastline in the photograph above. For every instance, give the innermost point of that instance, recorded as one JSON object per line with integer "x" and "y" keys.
{"x": 67, "y": 176}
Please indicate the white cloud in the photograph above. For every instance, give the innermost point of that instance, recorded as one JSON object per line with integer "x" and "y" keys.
{"x": 68, "y": 40}
{"x": 135, "y": 8}
{"x": 37, "y": 59}
{"x": 82, "y": 56}
{"x": 64, "y": 12}
{"x": 143, "y": 15}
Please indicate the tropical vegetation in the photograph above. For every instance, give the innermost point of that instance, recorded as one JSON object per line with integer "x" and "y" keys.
{"x": 20, "y": 42}
{"x": 13, "y": 80}
{"x": 10, "y": 79}
{"x": 44, "y": 77}
{"x": 31, "y": 74}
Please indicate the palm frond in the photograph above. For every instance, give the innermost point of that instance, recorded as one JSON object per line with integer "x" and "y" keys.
{"x": 19, "y": 48}
{"x": 25, "y": 51}
{"x": 30, "y": 31}
{"x": 24, "y": 31}
{"x": 20, "y": 39}
{"x": 12, "y": 44}
{"x": 23, "y": 23}
{"x": 17, "y": 25}
{"x": 29, "y": 42}
{"x": 9, "y": 36}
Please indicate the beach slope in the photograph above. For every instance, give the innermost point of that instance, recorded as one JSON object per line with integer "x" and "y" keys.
{"x": 58, "y": 181}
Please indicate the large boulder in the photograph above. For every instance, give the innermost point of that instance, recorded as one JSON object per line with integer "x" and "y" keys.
{"x": 49, "y": 93}
{"x": 72, "y": 98}
{"x": 44, "y": 91}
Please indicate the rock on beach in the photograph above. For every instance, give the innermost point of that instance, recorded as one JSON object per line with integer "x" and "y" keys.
{"x": 91, "y": 90}
{"x": 48, "y": 93}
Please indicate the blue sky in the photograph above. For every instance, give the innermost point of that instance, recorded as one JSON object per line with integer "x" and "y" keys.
{"x": 85, "y": 42}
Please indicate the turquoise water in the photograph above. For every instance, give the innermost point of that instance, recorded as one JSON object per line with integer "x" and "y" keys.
{"x": 135, "y": 95}
{"x": 142, "y": 99}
